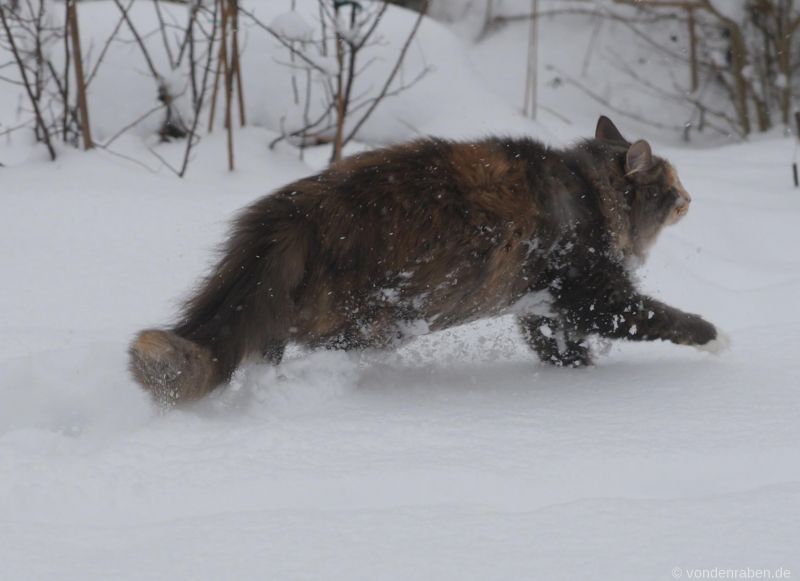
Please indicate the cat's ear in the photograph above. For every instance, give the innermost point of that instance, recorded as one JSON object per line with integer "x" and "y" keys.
{"x": 607, "y": 131}
{"x": 639, "y": 158}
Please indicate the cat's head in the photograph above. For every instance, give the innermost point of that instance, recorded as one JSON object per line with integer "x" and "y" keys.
{"x": 654, "y": 195}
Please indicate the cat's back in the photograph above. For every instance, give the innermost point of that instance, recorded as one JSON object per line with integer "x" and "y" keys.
{"x": 478, "y": 180}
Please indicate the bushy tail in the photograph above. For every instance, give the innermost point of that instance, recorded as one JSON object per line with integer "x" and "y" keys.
{"x": 171, "y": 368}
{"x": 245, "y": 306}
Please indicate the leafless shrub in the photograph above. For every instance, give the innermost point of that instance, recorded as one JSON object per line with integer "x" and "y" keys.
{"x": 330, "y": 57}
{"x": 28, "y": 35}
{"x": 197, "y": 65}
{"x": 740, "y": 55}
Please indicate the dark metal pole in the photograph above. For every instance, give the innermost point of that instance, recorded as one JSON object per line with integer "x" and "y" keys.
{"x": 794, "y": 165}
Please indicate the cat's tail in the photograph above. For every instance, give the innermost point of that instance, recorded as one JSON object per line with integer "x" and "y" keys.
{"x": 244, "y": 306}
{"x": 171, "y": 368}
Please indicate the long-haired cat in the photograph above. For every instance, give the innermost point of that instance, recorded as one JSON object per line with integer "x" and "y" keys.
{"x": 428, "y": 235}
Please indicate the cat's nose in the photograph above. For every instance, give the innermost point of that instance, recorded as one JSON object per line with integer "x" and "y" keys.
{"x": 682, "y": 203}
{"x": 684, "y": 199}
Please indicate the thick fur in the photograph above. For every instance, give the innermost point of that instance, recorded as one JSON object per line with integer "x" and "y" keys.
{"x": 437, "y": 232}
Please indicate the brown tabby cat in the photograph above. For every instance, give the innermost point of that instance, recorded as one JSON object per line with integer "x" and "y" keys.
{"x": 428, "y": 235}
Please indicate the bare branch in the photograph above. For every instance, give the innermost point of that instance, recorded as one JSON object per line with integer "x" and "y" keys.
{"x": 191, "y": 139}
{"x": 586, "y": 90}
{"x": 139, "y": 41}
{"x": 106, "y": 46}
{"x": 302, "y": 56}
{"x": 392, "y": 75}
{"x": 132, "y": 124}
{"x": 305, "y": 129}
{"x": 28, "y": 88}
{"x": 163, "y": 29}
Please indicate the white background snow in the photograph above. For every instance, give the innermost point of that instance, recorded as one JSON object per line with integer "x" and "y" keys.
{"x": 458, "y": 457}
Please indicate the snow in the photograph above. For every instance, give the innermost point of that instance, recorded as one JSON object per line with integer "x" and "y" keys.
{"x": 716, "y": 347}
{"x": 458, "y": 456}
{"x": 291, "y": 26}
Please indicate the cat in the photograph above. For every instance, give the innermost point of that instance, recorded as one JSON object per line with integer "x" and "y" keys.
{"x": 430, "y": 234}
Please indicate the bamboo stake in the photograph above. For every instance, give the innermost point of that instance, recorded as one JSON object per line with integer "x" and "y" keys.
{"x": 336, "y": 154}
{"x": 236, "y": 63}
{"x": 80, "y": 81}
{"x": 531, "y": 76}
{"x": 220, "y": 4}
{"x": 65, "y": 121}
{"x": 228, "y": 78}
{"x": 693, "y": 47}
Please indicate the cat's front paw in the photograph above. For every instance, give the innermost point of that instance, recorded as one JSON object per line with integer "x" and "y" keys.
{"x": 722, "y": 342}
{"x": 694, "y": 330}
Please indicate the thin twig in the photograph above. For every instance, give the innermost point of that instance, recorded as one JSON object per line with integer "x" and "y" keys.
{"x": 392, "y": 75}
{"x": 586, "y": 90}
{"x": 166, "y": 164}
{"x": 133, "y": 124}
{"x": 28, "y": 89}
{"x": 162, "y": 28}
{"x": 126, "y": 158}
{"x": 303, "y": 57}
{"x": 11, "y": 130}
{"x": 191, "y": 140}
{"x": 303, "y": 130}
{"x": 139, "y": 41}
{"x": 106, "y": 46}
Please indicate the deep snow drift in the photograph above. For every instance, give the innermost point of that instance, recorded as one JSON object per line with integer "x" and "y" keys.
{"x": 458, "y": 457}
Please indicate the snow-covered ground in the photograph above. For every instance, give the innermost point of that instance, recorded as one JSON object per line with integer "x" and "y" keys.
{"x": 458, "y": 457}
